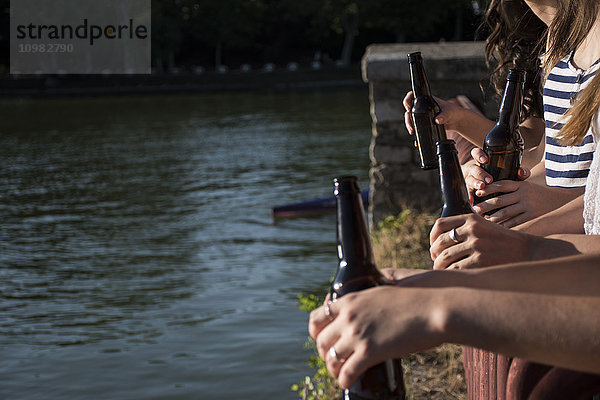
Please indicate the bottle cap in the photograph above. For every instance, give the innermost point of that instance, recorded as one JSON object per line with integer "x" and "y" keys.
{"x": 345, "y": 184}
{"x": 516, "y": 75}
{"x": 414, "y": 57}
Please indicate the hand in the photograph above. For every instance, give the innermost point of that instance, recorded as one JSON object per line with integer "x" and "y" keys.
{"x": 452, "y": 113}
{"x": 480, "y": 243}
{"x": 365, "y": 328}
{"x": 523, "y": 201}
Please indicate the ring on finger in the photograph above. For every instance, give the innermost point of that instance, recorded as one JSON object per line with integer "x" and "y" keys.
{"x": 335, "y": 355}
{"x": 454, "y": 235}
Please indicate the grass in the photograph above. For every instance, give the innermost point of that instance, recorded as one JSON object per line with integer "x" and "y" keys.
{"x": 403, "y": 242}
{"x": 436, "y": 374}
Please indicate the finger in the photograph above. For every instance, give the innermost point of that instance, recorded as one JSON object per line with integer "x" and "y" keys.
{"x": 473, "y": 183}
{"x": 443, "y": 225}
{"x": 503, "y": 200}
{"x": 479, "y": 174}
{"x": 337, "y": 355}
{"x": 443, "y": 242}
{"x": 504, "y": 186}
{"x": 327, "y": 337}
{"x": 441, "y": 118}
{"x": 356, "y": 364}
{"x": 506, "y": 213}
{"x": 408, "y": 123}
{"x": 452, "y": 255}
{"x": 517, "y": 220}
{"x": 479, "y": 155}
{"x": 320, "y": 318}
{"x": 523, "y": 173}
{"x": 408, "y": 101}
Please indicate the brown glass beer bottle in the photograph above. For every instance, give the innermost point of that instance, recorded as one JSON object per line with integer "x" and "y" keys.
{"x": 423, "y": 113}
{"x": 452, "y": 182}
{"x": 504, "y": 143}
{"x": 357, "y": 271}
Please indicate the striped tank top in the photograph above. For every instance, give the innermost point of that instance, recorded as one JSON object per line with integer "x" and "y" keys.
{"x": 566, "y": 166}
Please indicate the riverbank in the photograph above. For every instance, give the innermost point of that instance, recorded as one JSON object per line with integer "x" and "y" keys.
{"x": 188, "y": 82}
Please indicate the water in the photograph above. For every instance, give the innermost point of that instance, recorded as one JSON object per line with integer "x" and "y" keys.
{"x": 138, "y": 255}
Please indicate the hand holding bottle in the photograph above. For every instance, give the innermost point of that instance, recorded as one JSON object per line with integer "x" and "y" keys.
{"x": 363, "y": 338}
{"x": 470, "y": 241}
{"x": 516, "y": 202}
{"x": 458, "y": 114}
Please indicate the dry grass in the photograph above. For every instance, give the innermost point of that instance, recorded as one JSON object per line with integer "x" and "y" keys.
{"x": 436, "y": 374}
{"x": 403, "y": 241}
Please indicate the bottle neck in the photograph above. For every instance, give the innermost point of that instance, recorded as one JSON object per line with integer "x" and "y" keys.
{"x": 452, "y": 182}
{"x": 512, "y": 100}
{"x": 420, "y": 84}
{"x": 353, "y": 241}
{"x": 356, "y": 268}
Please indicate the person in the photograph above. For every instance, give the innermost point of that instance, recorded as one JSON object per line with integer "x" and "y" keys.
{"x": 539, "y": 311}
{"x": 470, "y": 241}
{"x": 561, "y": 177}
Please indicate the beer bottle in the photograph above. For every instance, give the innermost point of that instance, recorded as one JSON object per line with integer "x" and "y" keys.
{"x": 423, "y": 113}
{"x": 504, "y": 143}
{"x": 452, "y": 182}
{"x": 357, "y": 271}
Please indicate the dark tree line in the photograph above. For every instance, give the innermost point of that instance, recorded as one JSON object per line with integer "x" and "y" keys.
{"x": 232, "y": 32}
{"x": 210, "y": 33}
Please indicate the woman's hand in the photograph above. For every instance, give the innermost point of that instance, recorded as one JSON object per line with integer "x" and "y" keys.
{"x": 517, "y": 201}
{"x": 452, "y": 114}
{"x": 369, "y": 327}
{"x": 479, "y": 243}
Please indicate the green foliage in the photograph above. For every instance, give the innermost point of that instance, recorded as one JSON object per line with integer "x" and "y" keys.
{"x": 321, "y": 385}
{"x": 403, "y": 241}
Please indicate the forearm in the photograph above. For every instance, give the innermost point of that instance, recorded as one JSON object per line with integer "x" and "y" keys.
{"x": 555, "y": 330}
{"x": 573, "y": 275}
{"x": 580, "y": 244}
{"x": 473, "y": 127}
{"x": 567, "y": 218}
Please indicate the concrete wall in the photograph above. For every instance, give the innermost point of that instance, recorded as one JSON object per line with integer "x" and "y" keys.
{"x": 395, "y": 177}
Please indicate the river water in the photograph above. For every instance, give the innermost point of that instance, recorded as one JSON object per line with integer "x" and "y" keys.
{"x": 138, "y": 255}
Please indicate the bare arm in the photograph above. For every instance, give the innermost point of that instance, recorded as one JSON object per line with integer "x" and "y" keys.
{"x": 566, "y": 219}
{"x": 482, "y": 243}
{"x": 561, "y": 276}
{"x": 552, "y": 328}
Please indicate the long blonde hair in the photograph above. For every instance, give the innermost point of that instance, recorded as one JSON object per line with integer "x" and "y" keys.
{"x": 569, "y": 28}
{"x": 582, "y": 114}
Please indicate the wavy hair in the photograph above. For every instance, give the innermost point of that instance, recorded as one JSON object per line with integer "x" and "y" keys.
{"x": 515, "y": 40}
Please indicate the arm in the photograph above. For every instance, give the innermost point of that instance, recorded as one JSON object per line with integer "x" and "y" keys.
{"x": 552, "y": 328}
{"x": 542, "y": 277}
{"x": 469, "y": 123}
{"x": 482, "y": 243}
{"x": 566, "y": 219}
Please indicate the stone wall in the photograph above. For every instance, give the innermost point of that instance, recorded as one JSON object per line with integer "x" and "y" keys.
{"x": 453, "y": 68}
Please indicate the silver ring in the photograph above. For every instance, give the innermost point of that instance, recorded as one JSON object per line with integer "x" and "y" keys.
{"x": 333, "y": 353}
{"x": 328, "y": 311}
{"x": 454, "y": 235}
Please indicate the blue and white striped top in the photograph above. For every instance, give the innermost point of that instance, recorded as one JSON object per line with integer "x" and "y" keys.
{"x": 566, "y": 166}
